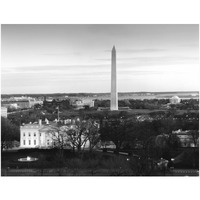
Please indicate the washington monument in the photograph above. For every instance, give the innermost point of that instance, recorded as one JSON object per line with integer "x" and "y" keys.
{"x": 114, "y": 95}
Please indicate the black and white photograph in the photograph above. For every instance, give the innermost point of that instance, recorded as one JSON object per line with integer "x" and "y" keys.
{"x": 100, "y": 100}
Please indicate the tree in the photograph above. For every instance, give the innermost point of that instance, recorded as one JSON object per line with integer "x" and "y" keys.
{"x": 37, "y": 106}
{"x": 174, "y": 141}
{"x": 9, "y": 133}
{"x": 158, "y": 146}
{"x": 195, "y": 137}
{"x": 92, "y": 133}
{"x": 115, "y": 130}
{"x": 59, "y": 136}
{"x": 77, "y": 134}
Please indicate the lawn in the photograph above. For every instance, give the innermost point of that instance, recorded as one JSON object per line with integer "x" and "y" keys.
{"x": 52, "y": 162}
{"x": 84, "y": 163}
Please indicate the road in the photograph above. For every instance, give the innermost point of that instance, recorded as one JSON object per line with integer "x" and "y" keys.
{"x": 19, "y": 111}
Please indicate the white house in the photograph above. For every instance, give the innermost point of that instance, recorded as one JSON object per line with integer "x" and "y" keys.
{"x": 38, "y": 135}
{"x": 30, "y": 135}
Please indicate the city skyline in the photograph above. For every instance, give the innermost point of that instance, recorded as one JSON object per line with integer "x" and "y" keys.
{"x": 76, "y": 58}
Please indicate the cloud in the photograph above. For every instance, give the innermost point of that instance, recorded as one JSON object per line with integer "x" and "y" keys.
{"x": 150, "y": 50}
{"x": 145, "y": 50}
{"x": 191, "y": 45}
{"x": 61, "y": 54}
{"x": 54, "y": 54}
{"x": 78, "y": 75}
{"x": 153, "y": 60}
{"x": 123, "y": 64}
{"x": 53, "y": 68}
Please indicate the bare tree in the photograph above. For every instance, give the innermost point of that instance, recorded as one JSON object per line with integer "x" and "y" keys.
{"x": 77, "y": 134}
{"x": 92, "y": 133}
{"x": 59, "y": 136}
{"x": 9, "y": 133}
{"x": 195, "y": 137}
{"x": 59, "y": 139}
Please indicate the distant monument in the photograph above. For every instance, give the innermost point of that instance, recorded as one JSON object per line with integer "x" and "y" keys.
{"x": 114, "y": 95}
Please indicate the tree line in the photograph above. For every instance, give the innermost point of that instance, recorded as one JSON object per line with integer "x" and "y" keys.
{"x": 9, "y": 133}
{"x": 121, "y": 128}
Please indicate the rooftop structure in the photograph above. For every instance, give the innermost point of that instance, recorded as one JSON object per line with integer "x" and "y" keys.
{"x": 175, "y": 100}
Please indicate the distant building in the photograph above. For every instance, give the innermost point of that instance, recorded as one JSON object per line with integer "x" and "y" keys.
{"x": 33, "y": 102}
{"x": 141, "y": 118}
{"x": 103, "y": 109}
{"x": 175, "y": 100}
{"x": 81, "y": 103}
{"x": 166, "y": 106}
{"x": 16, "y": 104}
{"x": 123, "y": 108}
{"x": 186, "y": 138}
{"x": 4, "y": 112}
{"x": 107, "y": 108}
{"x": 49, "y": 99}
{"x": 21, "y": 104}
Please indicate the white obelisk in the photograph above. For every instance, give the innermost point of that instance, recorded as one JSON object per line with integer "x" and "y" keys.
{"x": 114, "y": 95}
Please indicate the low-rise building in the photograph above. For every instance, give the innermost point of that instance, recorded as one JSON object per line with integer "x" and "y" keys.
{"x": 4, "y": 112}
{"x": 16, "y": 104}
{"x": 33, "y": 102}
{"x": 81, "y": 103}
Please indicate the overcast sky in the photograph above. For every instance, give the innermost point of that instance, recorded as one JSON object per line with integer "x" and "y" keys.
{"x": 77, "y": 58}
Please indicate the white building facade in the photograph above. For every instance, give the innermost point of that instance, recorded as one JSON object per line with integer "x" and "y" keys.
{"x": 175, "y": 100}
{"x": 38, "y": 135}
{"x": 29, "y": 136}
{"x": 35, "y": 136}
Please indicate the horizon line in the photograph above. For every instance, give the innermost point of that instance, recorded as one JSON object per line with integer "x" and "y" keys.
{"x": 98, "y": 92}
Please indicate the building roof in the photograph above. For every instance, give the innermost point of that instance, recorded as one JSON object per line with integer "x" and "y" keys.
{"x": 11, "y": 102}
{"x": 25, "y": 126}
{"x": 175, "y": 97}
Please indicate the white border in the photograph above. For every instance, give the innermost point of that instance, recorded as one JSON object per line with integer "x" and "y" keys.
{"x": 99, "y": 12}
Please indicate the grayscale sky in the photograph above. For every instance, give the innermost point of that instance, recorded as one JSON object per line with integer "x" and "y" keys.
{"x": 77, "y": 58}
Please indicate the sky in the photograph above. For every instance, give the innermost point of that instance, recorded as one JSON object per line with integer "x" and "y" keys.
{"x": 77, "y": 58}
